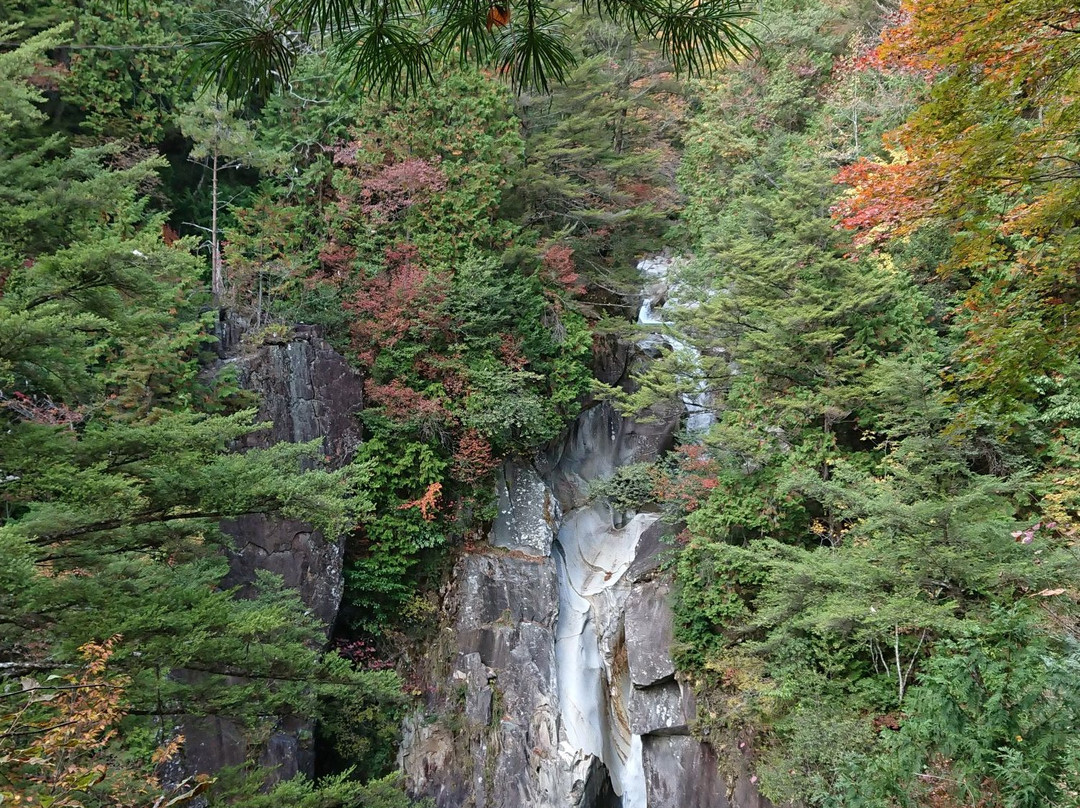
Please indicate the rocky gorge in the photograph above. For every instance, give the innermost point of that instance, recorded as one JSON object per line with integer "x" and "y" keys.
{"x": 558, "y": 636}
{"x": 551, "y": 681}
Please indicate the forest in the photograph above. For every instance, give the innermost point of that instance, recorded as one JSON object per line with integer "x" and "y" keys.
{"x": 871, "y": 208}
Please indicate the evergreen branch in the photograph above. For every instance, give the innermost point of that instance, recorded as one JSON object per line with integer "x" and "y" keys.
{"x": 244, "y": 54}
{"x": 156, "y": 517}
{"x": 384, "y": 54}
{"x": 535, "y": 54}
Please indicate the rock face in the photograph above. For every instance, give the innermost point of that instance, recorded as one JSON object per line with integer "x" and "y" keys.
{"x": 555, "y": 686}
{"x": 503, "y": 682}
{"x": 648, "y": 634}
{"x": 306, "y": 391}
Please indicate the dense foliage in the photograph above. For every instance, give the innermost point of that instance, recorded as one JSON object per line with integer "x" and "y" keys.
{"x": 877, "y": 585}
{"x": 438, "y": 243}
{"x": 879, "y": 579}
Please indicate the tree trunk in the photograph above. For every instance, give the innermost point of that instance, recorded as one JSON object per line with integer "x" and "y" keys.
{"x": 217, "y": 280}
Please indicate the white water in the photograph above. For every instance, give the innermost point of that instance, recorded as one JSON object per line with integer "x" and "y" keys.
{"x": 592, "y": 558}
{"x": 698, "y": 415}
{"x": 592, "y": 562}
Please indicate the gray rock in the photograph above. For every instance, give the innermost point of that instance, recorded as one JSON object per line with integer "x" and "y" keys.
{"x": 599, "y": 442}
{"x": 649, "y": 634}
{"x": 477, "y": 678}
{"x": 304, "y": 559}
{"x": 665, "y": 709}
{"x": 529, "y": 515}
{"x": 681, "y": 772}
{"x": 506, "y": 752}
{"x": 307, "y": 391}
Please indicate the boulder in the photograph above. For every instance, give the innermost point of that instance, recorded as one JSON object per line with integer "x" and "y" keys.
{"x": 665, "y": 709}
{"x": 528, "y": 514}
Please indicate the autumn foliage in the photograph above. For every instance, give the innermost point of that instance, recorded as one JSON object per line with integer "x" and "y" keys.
{"x": 990, "y": 159}
{"x": 55, "y": 748}
{"x": 401, "y": 300}
{"x": 428, "y": 504}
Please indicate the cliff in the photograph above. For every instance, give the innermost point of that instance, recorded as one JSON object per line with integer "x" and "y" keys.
{"x": 306, "y": 391}
{"x": 553, "y": 681}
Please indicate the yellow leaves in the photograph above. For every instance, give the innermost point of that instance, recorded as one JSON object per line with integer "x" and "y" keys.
{"x": 56, "y": 746}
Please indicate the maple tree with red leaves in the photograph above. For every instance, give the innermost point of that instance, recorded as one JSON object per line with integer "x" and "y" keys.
{"x": 401, "y": 300}
{"x": 989, "y": 158}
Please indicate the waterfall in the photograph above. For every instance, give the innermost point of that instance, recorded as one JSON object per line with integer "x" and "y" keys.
{"x": 658, "y": 292}
{"x": 592, "y": 558}
{"x": 561, "y": 679}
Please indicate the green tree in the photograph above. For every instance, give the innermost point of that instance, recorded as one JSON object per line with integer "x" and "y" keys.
{"x": 252, "y": 48}
{"x": 222, "y": 141}
{"x": 119, "y": 464}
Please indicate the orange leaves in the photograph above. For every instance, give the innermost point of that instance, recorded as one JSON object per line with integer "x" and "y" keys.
{"x": 55, "y": 744}
{"x": 428, "y": 503}
{"x": 995, "y": 133}
{"x": 498, "y": 16}
{"x": 886, "y": 199}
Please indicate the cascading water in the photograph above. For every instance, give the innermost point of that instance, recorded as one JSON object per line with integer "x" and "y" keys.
{"x": 699, "y": 417}
{"x": 592, "y": 558}
{"x": 560, "y": 685}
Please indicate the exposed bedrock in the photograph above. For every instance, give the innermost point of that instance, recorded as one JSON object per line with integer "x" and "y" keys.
{"x": 307, "y": 391}
{"x": 555, "y": 686}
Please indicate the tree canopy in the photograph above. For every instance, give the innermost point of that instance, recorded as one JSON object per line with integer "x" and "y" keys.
{"x": 396, "y": 45}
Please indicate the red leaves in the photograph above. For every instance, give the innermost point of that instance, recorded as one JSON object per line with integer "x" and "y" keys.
{"x": 510, "y": 352}
{"x": 473, "y": 459}
{"x": 336, "y": 261}
{"x": 400, "y": 185}
{"x": 402, "y": 300}
{"x": 886, "y": 199}
{"x": 390, "y": 186}
{"x": 558, "y": 266}
{"x": 402, "y": 403}
{"x": 41, "y": 410}
{"x": 691, "y": 482}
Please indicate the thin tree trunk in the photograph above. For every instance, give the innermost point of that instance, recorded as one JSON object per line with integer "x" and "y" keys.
{"x": 217, "y": 281}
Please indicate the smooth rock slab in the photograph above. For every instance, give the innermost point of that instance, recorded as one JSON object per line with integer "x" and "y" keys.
{"x": 649, "y": 634}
